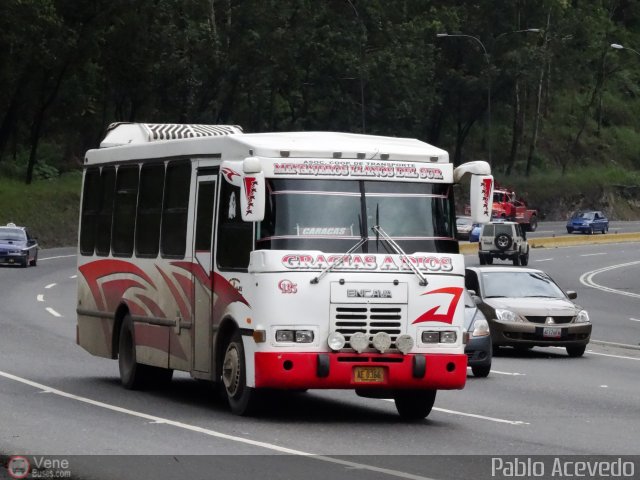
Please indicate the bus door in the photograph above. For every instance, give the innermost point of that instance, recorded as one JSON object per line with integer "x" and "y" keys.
{"x": 203, "y": 268}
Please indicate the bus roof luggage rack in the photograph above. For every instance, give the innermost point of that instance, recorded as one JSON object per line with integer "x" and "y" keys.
{"x": 125, "y": 133}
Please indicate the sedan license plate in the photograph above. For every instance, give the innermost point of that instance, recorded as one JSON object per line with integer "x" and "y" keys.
{"x": 552, "y": 332}
{"x": 368, "y": 374}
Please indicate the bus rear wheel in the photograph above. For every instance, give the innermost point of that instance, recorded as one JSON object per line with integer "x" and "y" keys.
{"x": 134, "y": 375}
{"x": 414, "y": 404}
{"x": 242, "y": 399}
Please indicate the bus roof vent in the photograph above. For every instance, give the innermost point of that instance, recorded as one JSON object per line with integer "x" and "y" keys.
{"x": 123, "y": 133}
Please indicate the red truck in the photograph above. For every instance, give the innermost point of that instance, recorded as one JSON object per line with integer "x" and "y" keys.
{"x": 507, "y": 206}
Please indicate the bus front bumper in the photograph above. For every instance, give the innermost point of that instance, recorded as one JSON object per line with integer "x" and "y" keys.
{"x": 367, "y": 370}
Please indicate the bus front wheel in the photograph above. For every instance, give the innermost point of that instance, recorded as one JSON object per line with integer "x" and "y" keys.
{"x": 414, "y": 404}
{"x": 242, "y": 399}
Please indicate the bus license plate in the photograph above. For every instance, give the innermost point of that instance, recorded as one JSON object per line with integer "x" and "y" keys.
{"x": 368, "y": 374}
{"x": 552, "y": 332}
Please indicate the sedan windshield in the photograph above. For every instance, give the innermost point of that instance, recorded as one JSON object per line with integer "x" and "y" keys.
{"x": 12, "y": 234}
{"x": 519, "y": 285}
{"x": 333, "y": 215}
{"x": 585, "y": 215}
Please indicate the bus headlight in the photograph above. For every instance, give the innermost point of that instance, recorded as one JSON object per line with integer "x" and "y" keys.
{"x": 304, "y": 336}
{"x": 382, "y": 341}
{"x": 336, "y": 341}
{"x": 294, "y": 336}
{"x": 448, "y": 337}
{"x": 285, "y": 336}
{"x": 404, "y": 343}
{"x": 359, "y": 342}
{"x": 430, "y": 337}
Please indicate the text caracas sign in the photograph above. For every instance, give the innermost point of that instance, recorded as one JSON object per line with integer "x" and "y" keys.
{"x": 366, "y": 262}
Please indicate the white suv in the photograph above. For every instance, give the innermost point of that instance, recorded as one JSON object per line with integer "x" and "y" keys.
{"x": 503, "y": 240}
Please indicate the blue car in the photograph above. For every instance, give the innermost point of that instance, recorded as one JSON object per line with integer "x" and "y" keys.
{"x": 588, "y": 222}
{"x": 17, "y": 247}
{"x": 478, "y": 347}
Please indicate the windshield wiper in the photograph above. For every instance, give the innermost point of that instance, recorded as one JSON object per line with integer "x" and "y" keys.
{"x": 495, "y": 296}
{"x": 396, "y": 248}
{"x": 328, "y": 268}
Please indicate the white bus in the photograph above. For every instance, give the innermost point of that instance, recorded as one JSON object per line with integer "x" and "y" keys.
{"x": 305, "y": 260}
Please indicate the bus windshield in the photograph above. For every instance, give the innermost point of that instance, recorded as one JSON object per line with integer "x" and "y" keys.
{"x": 332, "y": 215}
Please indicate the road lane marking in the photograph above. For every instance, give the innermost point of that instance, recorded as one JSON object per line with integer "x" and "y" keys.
{"x": 40, "y": 298}
{"x": 53, "y": 258}
{"x": 481, "y": 417}
{"x": 593, "y": 254}
{"x": 212, "y": 433}
{"x": 52, "y": 312}
{"x": 634, "y": 319}
{"x": 587, "y": 279}
{"x": 515, "y": 374}
{"x": 51, "y": 285}
{"x": 473, "y": 415}
{"x": 613, "y": 356}
{"x": 544, "y": 260}
{"x": 73, "y": 276}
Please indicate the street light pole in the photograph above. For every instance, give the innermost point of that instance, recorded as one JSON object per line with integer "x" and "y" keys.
{"x": 617, "y": 46}
{"x": 488, "y": 60}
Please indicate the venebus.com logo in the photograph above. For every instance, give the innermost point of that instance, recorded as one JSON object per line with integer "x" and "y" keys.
{"x": 20, "y": 467}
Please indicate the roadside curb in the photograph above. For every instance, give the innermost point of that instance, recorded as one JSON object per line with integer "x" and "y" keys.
{"x": 614, "y": 344}
{"x": 572, "y": 240}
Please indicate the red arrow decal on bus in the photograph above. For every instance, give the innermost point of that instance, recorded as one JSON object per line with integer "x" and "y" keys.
{"x": 432, "y": 316}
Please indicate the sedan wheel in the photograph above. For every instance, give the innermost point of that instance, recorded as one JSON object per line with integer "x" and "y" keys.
{"x": 576, "y": 351}
{"x": 481, "y": 371}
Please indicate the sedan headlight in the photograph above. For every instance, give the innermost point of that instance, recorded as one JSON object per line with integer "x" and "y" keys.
{"x": 582, "y": 317}
{"x": 508, "y": 316}
{"x": 480, "y": 328}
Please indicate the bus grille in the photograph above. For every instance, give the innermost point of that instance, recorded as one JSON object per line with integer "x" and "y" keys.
{"x": 369, "y": 319}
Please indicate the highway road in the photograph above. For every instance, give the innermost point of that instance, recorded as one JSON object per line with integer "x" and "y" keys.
{"x": 556, "y": 229}
{"x": 57, "y": 400}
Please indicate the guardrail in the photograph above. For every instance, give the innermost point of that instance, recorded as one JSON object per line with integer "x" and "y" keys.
{"x": 566, "y": 241}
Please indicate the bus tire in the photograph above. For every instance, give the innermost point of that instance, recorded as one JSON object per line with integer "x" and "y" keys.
{"x": 134, "y": 375}
{"x": 414, "y": 404}
{"x": 241, "y": 398}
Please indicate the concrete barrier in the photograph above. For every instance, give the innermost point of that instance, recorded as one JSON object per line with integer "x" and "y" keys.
{"x": 566, "y": 241}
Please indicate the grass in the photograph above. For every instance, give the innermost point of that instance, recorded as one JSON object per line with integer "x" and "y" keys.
{"x": 49, "y": 208}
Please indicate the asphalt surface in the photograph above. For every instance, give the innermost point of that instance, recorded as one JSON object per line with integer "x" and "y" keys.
{"x": 56, "y": 399}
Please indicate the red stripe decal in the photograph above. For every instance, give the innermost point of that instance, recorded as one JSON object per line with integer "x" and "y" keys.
{"x": 197, "y": 270}
{"x": 153, "y": 307}
{"x": 226, "y": 295}
{"x": 114, "y": 290}
{"x": 186, "y": 284}
{"x": 152, "y": 336}
{"x": 184, "y": 309}
{"x": 101, "y": 268}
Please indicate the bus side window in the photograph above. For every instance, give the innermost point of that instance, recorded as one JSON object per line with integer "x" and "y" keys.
{"x": 103, "y": 229}
{"x": 90, "y": 209}
{"x": 124, "y": 211}
{"x": 149, "y": 210}
{"x": 175, "y": 210}
{"x": 235, "y": 237}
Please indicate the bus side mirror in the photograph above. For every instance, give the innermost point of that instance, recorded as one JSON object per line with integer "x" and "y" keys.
{"x": 252, "y": 196}
{"x": 481, "y": 195}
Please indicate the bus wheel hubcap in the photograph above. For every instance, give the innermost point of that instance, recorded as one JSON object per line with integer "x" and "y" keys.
{"x": 231, "y": 370}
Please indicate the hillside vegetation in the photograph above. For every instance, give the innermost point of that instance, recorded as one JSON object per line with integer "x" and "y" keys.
{"x": 48, "y": 207}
